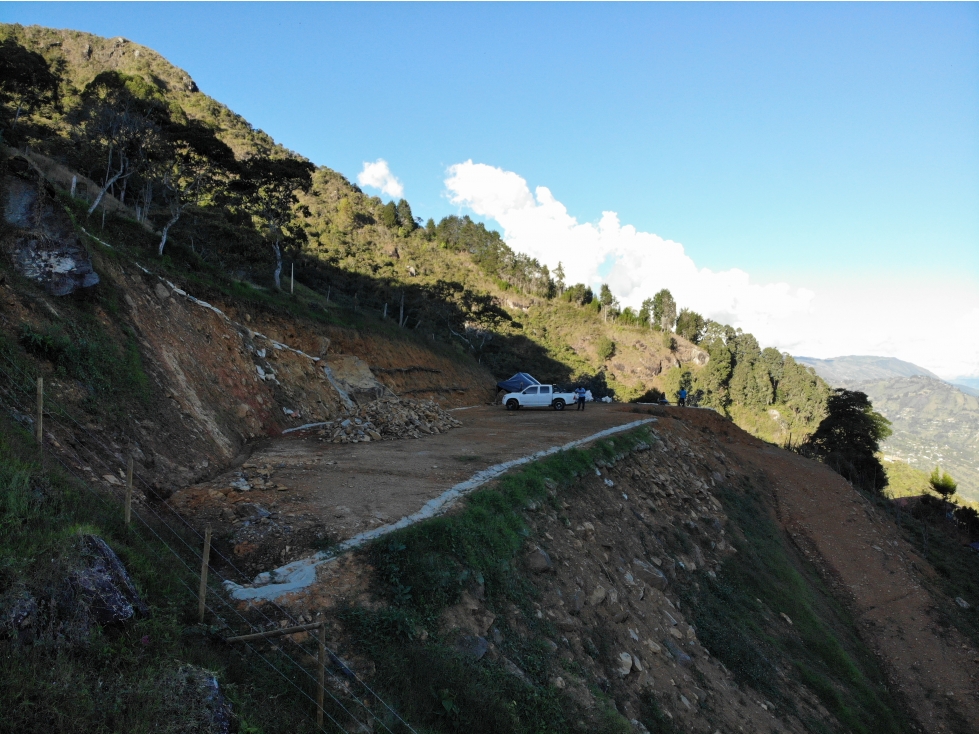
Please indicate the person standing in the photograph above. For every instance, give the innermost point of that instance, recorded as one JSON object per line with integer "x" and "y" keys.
{"x": 682, "y": 397}
{"x": 580, "y": 398}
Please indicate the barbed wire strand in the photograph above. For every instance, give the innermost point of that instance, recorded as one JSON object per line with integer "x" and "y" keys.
{"x": 191, "y": 570}
{"x": 193, "y": 550}
{"x": 217, "y": 552}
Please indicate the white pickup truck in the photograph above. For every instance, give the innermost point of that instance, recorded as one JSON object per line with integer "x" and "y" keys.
{"x": 538, "y": 396}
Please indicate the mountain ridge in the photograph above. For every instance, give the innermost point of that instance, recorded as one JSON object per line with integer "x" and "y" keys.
{"x": 855, "y": 368}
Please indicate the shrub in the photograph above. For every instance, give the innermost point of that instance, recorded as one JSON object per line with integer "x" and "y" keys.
{"x": 605, "y": 348}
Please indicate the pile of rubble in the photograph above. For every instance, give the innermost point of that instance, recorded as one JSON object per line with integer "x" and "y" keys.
{"x": 389, "y": 418}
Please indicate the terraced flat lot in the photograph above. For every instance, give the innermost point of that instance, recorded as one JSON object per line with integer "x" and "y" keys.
{"x": 344, "y": 489}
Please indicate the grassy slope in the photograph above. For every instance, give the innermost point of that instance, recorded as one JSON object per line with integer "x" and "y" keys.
{"x": 737, "y": 616}
{"x": 122, "y": 679}
{"x": 422, "y": 570}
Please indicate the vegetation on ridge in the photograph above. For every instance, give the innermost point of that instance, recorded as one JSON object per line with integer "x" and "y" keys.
{"x": 180, "y": 164}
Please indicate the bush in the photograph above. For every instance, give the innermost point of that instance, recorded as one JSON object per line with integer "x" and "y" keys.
{"x": 605, "y": 348}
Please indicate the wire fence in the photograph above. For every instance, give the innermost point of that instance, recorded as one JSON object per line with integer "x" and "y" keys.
{"x": 77, "y": 448}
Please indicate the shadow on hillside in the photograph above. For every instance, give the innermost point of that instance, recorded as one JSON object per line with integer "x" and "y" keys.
{"x": 445, "y": 311}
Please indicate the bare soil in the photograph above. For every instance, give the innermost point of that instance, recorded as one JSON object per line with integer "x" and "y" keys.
{"x": 334, "y": 491}
{"x": 319, "y": 492}
{"x": 935, "y": 668}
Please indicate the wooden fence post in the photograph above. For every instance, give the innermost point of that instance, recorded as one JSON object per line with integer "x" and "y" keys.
{"x": 129, "y": 491}
{"x": 40, "y": 410}
{"x": 204, "y": 562}
{"x": 322, "y": 676}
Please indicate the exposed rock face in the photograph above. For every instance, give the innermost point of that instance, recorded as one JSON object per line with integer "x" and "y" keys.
{"x": 353, "y": 379}
{"x": 96, "y": 592}
{"x": 103, "y": 588}
{"x": 44, "y": 246}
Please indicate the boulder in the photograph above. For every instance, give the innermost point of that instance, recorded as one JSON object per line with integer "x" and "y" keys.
{"x": 474, "y": 646}
{"x": 102, "y": 588}
{"x": 538, "y": 561}
{"x": 623, "y": 664}
{"x": 597, "y": 596}
{"x": 679, "y": 655}
{"x": 650, "y": 574}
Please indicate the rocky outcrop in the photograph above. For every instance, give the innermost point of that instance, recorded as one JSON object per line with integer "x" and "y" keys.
{"x": 41, "y": 240}
{"x": 96, "y": 592}
{"x": 102, "y": 587}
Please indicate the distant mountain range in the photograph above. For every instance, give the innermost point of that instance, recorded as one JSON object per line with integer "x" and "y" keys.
{"x": 841, "y": 370}
{"x": 934, "y": 422}
{"x": 969, "y": 385}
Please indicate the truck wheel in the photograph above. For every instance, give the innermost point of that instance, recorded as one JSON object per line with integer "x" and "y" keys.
{"x": 559, "y": 404}
{"x": 512, "y": 404}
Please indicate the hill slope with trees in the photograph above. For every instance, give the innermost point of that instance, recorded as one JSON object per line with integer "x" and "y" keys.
{"x": 223, "y": 198}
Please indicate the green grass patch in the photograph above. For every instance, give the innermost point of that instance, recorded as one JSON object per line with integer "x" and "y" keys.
{"x": 119, "y": 679}
{"x": 423, "y": 569}
{"x": 84, "y": 352}
{"x": 738, "y": 617}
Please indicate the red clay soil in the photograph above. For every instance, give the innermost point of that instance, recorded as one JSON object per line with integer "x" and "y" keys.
{"x": 934, "y": 668}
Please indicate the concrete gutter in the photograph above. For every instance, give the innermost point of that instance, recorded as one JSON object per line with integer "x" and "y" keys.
{"x": 297, "y": 575}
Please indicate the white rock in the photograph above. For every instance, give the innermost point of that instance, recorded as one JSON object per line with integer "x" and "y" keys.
{"x": 624, "y": 665}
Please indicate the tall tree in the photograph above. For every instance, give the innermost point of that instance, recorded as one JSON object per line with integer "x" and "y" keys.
{"x": 274, "y": 203}
{"x": 194, "y": 163}
{"x": 664, "y": 311}
{"x": 559, "y": 278}
{"x": 27, "y": 82}
{"x": 389, "y": 215}
{"x": 690, "y": 325}
{"x": 646, "y": 312}
{"x": 607, "y": 300}
{"x": 119, "y": 122}
{"x": 849, "y": 437}
{"x": 405, "y": 218}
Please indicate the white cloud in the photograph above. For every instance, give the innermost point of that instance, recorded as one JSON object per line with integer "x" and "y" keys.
{"x": 933, "y": 326}
{"x": 377, "y": 175}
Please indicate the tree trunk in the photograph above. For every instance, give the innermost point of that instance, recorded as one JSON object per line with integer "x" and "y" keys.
{"x": 98, "y": 199}
{"x": 278, "y": 265}
{"x": 166, "y": 230}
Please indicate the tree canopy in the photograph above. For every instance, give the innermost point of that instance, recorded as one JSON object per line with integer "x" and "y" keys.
{"x": 848, "y": 439}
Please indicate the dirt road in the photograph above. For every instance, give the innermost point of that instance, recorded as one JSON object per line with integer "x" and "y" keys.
{"x": 295, "y": 490}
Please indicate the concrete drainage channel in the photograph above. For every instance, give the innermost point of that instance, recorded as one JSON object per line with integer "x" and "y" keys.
{"x": 297, "y": 575}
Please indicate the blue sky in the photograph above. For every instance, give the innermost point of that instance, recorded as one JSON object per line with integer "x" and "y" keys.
{"x": 821, "y": 145}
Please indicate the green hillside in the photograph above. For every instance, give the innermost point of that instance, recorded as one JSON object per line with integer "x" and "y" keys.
{"x": 934, "y": 423}
{"x": 222, "y": 204}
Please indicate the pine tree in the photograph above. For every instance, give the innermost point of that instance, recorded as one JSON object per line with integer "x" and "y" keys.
{"x": 559, "y": 278}
{"x": 405, "y": 218}
{"x": 664, "y": 311}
